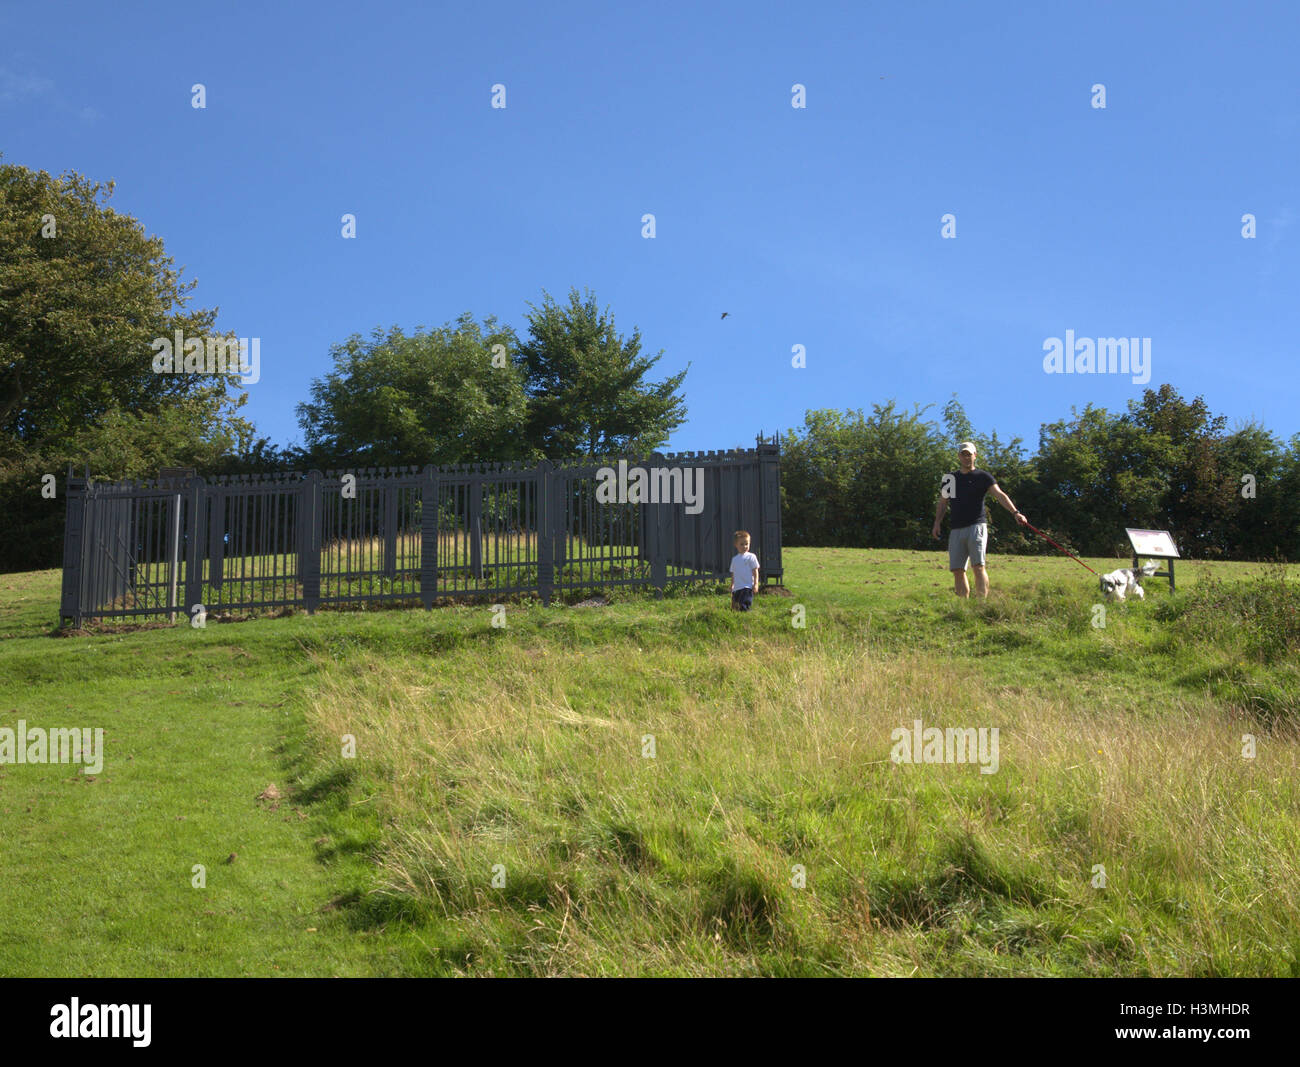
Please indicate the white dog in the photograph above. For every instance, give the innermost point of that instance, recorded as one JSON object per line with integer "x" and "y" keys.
{"x": 1117, "y": 585}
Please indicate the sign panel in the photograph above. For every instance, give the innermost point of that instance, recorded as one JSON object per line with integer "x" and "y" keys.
{"x": 1155, "y": 543}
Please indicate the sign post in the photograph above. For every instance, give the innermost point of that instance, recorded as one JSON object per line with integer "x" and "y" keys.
{"x": 1154, "y": 544}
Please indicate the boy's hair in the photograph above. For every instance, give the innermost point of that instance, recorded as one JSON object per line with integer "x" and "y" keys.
{"x": 741, "y": 535}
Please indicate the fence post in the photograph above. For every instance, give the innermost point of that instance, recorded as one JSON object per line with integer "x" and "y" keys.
{"x": 390, "y": 528}
{"x": 655, "y": 528}
{"x": 545, "y": 533}
{"x": 74, "y": 518}
{"x": 658, "y": 559}
{"x": 197, "y": 528}
{"x": 216, "y": 537}
{"x": 474, "y": 520}
{"x": 309, "y": 535}
{"x": 176, "y": 501}
{"x": 769, "y": 468}
{"x": 429, "y": 535}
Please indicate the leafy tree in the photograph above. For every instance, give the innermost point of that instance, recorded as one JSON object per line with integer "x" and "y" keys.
{"x": 1268, "y": 523}
{"x": 857, "y": 480}
{"x": 430, "y": 397}
{"x": 587, "y": 394}
{"x": 78, "y": 312}
{"x": 1099, "y": 473}
{"x": 1284, "y": 514}
{"x": 83, "y": 293}
{"x": 1184, "y": 443}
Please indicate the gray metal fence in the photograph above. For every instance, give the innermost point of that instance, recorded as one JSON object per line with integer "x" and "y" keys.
{"x": 237, "y": 544}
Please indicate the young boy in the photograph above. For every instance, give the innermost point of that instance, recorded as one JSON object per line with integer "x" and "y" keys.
{"x": 744, "y": 573}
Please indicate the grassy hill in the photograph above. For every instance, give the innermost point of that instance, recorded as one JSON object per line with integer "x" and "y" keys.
{"x": 769, "y": 832}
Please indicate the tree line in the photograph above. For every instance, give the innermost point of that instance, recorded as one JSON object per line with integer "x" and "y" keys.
{"x": 871, "y": 480}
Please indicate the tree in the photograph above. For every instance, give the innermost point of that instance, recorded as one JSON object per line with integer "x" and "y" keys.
{"x": 83, "y": 293}
{"x": 585, "y": 384}
{"x": 1098, "y": 474}
{"x": 1252, "y": 461}
{"x": 862, "y": 481}
{"x": 431, "y": 397}
{"x": 1200, "y": 499}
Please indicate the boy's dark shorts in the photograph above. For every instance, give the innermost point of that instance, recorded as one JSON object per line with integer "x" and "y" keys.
{"x": 742, "y": 599}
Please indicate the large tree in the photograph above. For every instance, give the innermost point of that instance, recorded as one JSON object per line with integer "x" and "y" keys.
{"x": 860, "y": 480}
{"x": 587, "y": 393}
{"x": 84, "y": 291}
{"x": 448, "y": 395}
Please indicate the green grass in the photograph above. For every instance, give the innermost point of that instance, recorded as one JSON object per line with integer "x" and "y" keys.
{"x": 522, "y": 746}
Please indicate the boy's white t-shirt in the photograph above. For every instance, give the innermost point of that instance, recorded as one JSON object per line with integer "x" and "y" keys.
{"x": 743, "y": 566}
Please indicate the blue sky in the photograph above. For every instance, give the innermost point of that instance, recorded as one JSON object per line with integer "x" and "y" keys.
{"x": 817, "y": 226}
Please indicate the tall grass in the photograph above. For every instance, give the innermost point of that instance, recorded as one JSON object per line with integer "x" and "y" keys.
{"x": 772, "y": 749}
{"x": 1253, "y": 627}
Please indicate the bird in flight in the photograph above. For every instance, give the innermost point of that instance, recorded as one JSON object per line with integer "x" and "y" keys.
{"x": 725, "y": 314}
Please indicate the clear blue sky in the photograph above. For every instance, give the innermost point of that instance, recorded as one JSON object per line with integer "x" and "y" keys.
{"x": 818, "y": 226}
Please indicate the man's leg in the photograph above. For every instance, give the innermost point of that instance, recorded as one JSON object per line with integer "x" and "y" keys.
{"x": 958, "y": 554}
{"x": 959, "y": 585}
{"x": 979, "y": 539}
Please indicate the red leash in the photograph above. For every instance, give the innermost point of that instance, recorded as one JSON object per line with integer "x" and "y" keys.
{"x": 1058, "y": 547}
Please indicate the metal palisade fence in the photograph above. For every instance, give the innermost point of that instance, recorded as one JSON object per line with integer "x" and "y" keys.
{"x": 239, "y": 544}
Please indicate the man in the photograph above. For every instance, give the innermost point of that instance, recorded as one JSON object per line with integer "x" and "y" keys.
{"x": 968, "y": 534}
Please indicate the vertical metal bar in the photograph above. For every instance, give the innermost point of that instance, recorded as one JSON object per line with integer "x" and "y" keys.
{"x": 658, "y": 562}
{"x": 390, "y": 527}
{"x": 545, "y": 532}
{"x": 428, "y": 535}
{"x": 241, "y": 509}
{"x": 309, "y": 545}
{"x": 476, "y": 488}
{"x": 216, "y": 536}
{"x": 279, "y": 589}
{"x": 74, "y": 518}
{"x": 196, "y": 528}
{"x": 769, "y": 514}
{"x": 174, "y": 558}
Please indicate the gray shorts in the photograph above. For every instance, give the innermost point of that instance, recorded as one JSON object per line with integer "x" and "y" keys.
{"x": 967, "y": 541}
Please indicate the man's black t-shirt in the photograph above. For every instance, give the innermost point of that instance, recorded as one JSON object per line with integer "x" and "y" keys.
{"x": 967, "y": 507}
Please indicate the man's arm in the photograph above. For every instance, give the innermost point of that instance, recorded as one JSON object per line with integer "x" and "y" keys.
{"x": 941, "y": 509}
{"x": 1005, "y": 501}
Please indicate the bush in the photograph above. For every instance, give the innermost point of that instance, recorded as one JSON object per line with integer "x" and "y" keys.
{"x": 1257, "y": 618}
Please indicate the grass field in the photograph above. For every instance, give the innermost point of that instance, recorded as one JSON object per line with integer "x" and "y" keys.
{"x": 520, "y": 755}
